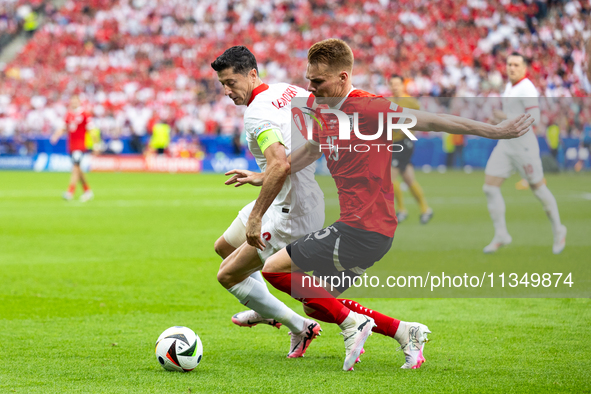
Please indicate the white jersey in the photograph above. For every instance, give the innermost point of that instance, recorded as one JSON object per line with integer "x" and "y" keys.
{"x": 519, "y": 99}
{"x": 270, "y": 108}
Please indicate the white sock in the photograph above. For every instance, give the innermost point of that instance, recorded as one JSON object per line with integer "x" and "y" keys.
{"x": 258, "y": 276}
{"x": 400, "y": 332}
{"x": 349, "y": 321}
{"x": 256, "y": 296}
{"x": 549, "y": 203}
{"x": 496, "y": 208}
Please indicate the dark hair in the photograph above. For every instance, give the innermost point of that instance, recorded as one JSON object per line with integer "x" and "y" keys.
{"x": 239, "y": 58}
{"x": 521, "y": 56}
{"x": 397, "y": 76}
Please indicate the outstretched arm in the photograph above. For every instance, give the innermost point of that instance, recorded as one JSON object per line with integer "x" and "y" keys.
{"x": 304, "y": 156}
{"x": 510, "y": 128}
{"x": 57, "y": 135}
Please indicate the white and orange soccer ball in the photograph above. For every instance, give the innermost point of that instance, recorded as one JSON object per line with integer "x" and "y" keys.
{"x": 179, "y": 349}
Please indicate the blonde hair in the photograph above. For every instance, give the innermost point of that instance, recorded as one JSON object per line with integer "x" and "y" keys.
{"x": 335, "y": 53}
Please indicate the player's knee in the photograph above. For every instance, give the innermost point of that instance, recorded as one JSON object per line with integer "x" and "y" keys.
{"x": 221, "y": 247}
{"x": 490, "y": 189}
{"x": 225, "y": 277}
{"x": 536, "y": 186}
{"x": 269, "y": 265}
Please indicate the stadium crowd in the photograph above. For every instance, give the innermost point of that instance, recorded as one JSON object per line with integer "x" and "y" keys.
{"x": 135, "y": 62}
{"x": 18, "y": 15}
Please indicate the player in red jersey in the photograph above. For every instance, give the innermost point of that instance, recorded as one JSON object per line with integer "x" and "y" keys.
{"x": 76, "y": 124}
{"x": 364, "y": 232}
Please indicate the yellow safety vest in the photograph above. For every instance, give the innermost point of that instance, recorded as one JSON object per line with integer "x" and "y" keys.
{"x": 91, "y": 137}
{"x": 160, "y": 136}
{"x": 448, "y": 144}
{"x": 31, "y": 22}
{"x": 553, "y": 136}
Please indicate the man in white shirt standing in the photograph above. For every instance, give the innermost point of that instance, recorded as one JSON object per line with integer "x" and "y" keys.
{"x": 520, "y": 154}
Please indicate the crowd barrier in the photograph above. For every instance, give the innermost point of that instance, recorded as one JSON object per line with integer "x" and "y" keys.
{"x": 428, "y": 152}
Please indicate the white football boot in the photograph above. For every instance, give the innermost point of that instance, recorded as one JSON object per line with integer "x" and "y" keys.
{"x": 300, "y": 342}
{"x": 355, "y": 337}
{"x": 251, "y": 318}
{"x": 559, "y": 240}
{"x": 87, "y": 196}
{"x": 412, "y": 338}
{"x": 497, "y": 242}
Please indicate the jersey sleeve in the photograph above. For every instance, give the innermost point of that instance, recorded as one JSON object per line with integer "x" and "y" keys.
{"x": 265, "y": 132}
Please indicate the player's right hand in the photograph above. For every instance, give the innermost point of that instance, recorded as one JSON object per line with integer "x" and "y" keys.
{"x": 253, "y": 233}
{"x": 242, "y": 177}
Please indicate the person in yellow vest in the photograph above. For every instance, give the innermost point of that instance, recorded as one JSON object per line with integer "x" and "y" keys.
{"x": 553, "y": 139}
{"x": 92, "y": 140}
{"x": 31, "y": 23}
{"x": 160, "y": 137}
{"x": 401, "y": 164}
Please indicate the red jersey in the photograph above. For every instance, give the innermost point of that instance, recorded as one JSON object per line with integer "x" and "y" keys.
{"x": 76, "y": 123}
{"x": 362, "y": 168}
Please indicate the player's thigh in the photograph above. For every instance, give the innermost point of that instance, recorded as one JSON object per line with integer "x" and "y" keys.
{"x": 280, "y": 262}
{"x": 499, "y": 164}
{"x": 276, "y": 234}
{"x": 529, "y": 167}
{"x": 77, "y": 156}
{"x": 239, "y": 265}
{"x": 235, "y": 234}
{"x": 339, "y": 247}
{"x": 409, "y": 174}
{"x": 233, "y": 237}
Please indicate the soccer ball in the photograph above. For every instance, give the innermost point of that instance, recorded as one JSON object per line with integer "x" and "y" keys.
{"x": 179, "y": 349}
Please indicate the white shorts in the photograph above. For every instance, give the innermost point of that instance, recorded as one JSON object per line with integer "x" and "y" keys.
{"x": 277, "y": 229}
{"x": 503, "y": 163}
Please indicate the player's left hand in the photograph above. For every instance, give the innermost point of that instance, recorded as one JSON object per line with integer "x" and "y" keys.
{"x": 242, "y": 177}
{"x": 253, "y": 233}
{"x": 513, "y": 128}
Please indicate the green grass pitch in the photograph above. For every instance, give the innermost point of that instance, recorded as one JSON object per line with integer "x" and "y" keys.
{"x": 85, "y": 290}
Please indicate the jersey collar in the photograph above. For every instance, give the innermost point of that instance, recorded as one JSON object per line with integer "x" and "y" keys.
{"x": 338, "y": 106}
{"x": 261, "y": 88}
{"x": 517, "y": 83}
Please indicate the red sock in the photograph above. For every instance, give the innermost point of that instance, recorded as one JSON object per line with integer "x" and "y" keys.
{"x": 386, "y": 325}
{"x": 72, "y": 188}
{"x": 321, "y": 316}
{"x": 85, "y": 187}
{"x": 314, "y": 297}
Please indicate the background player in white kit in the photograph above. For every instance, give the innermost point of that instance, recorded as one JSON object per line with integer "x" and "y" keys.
{"x": 520, "y": 154}
{"x": 288, "y": 206}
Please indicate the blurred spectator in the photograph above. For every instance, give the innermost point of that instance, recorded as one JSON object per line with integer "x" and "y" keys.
{"x": 135, "y": 58}
{"x": 553, "y": 139}
{"x": 160, "y": 137}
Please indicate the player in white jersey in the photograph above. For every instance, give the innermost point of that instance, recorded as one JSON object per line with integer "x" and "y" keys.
{"x": 288, "y": 206}
{"x": 520, "y": 154}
